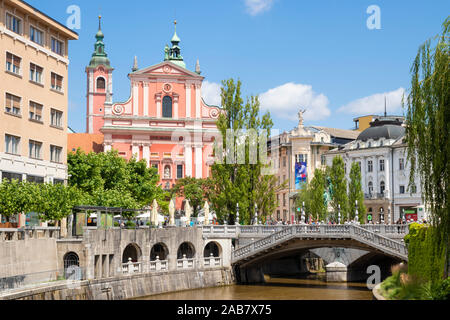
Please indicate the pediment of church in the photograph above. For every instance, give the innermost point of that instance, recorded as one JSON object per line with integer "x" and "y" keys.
{"x": 167, "y": 68}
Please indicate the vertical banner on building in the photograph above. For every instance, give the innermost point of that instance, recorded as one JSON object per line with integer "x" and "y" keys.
{"x": 300, "y": 175}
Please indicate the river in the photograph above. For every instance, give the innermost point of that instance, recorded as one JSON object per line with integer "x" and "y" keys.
{"x": 275, "y": 289}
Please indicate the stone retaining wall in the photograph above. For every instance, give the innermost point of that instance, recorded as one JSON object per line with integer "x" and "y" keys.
{"x": 128, "y": 287}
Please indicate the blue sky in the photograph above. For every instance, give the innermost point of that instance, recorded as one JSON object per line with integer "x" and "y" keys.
{"x": 318, "y": 55}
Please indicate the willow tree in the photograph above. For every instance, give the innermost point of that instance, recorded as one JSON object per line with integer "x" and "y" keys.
{"x": 428, "y": 132}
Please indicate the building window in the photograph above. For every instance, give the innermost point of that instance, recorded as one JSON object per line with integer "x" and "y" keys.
{"x": 55, "y": 154}
{"x": 13, "y": 63}
{"x": 36, "y": 35}
{"x": 401, "y": 164}
{"x": 382, "y": 187}
{"x": 13, "y": 104}
{"x": 56, "y": 82}
{"x": 167, "y": 172}
{"x": 35, "y": 179}
{"x": 13, "y": 23}
{"x": 35, "y": 149}
{"x": 369, "y": 166}
{"x": 12, "y": 144}
{"x": 35, "y": 111}
{"x": 101, "y": 83}
{"x": 301, "y": 158}
{"x": 323, "y": 160}
{"x": 179, "y": 171}
{"x": 57, "y": 46}
{"x": 284, "y": 199}
{"x": 370, "y": 187}
{"x": 11, "y": 176}
{"x": 56, "y": 118}
{"x": 36, "y": 73}
{"x": 381, "y": 165}
{"x": 402, "y": 189}
{"x": 167, "y": 107}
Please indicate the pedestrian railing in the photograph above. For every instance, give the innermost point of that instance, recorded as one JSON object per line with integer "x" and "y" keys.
{"x": 185, "y": 263}
{"x": 159, "y": 265}
{"x": 355, "y": 232}
{"x": 132, "y": 267}
{"x": 212, "y": 262}
{"x": 29, "y": 233}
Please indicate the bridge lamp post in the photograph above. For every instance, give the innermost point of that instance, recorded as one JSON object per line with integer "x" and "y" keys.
{"x": 237, "y": 214}
{"x": 356, "y": 212}
{"x": 339, "y": 214}
{"x": 381, "y": 215}
{"x": 256, "y": 214}
{"x": 303, "y": 213}
{"x": 389, "y": 215}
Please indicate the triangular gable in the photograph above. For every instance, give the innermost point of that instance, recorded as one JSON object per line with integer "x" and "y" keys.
{"x": 167, "y": 68}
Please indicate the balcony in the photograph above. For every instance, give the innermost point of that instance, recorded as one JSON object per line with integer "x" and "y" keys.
{"x": 375, "y": 196}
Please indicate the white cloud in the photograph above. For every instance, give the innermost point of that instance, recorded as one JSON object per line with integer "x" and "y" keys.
{"x": 374, "y": 104}
{"x": 211, "y": 93}
{"x": 285, "y": 101}
{"x": 255, "y": 7}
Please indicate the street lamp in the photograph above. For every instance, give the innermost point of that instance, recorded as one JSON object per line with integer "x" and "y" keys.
{"x": 356, "y": 212}
{"x": 381, "y": 215}
{"x": 237, "y": 214}
{"x": 339, "y": 214}
{"x": 389, "y": 215}
{"x": 256, "y": 214}
{"x": 303, "y": 212}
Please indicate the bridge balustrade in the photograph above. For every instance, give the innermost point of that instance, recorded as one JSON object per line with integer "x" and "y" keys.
{"x": 185, "y": 263}
{"x": 29, "y": 233}
{"x": 132, "y": 267}
{"x": 159, "y": 265}
{"x": 212, "y": 262}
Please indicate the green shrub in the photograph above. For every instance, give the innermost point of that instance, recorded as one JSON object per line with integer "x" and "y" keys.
{"x": 116, "y": 224}
{"x": 130, "y": 224}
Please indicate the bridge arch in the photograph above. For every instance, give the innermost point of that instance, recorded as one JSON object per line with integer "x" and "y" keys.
{"x": 132, "y": 251}
{"x": 213, "y": 249}
{"x": 160, "y": 250}
{"x": 186, "y": 248}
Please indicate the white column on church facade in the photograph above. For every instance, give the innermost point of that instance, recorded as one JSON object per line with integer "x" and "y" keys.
{"x": 145, "y": 99}
{"x": 197, "y": 100}
{"x": 110, "y": 82}
{"x": 158, "y": 105}
{"x": 91, "y": 102}
{"x": 198, "y": 161}
{"x": 135, "y": 151}
{"x": 146, "y": 153}
{"x": 175, "y": 106}
{"x": 188, "y": 159}
{"x": 135, "y": 98}
{"x": 188, "y": 100}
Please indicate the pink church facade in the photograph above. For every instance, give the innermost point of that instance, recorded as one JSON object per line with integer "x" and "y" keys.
{"x": 165, "y": 120}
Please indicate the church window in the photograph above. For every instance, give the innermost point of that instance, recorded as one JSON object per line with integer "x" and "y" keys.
{"x": 101, "y": 83}
{"x": 167, "y": 107}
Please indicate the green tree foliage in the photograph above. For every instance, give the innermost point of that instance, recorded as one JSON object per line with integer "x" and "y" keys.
{"x": 355, "y": 193}
{"x": 241, "y": 183}
{"x": 339, "y": 183}
{"x": 14, "y": 198}
{"x": 312, "y": 195}
{"x": 428, "y": 131}
{"x": 195, "y": 190}
{"x": 107, "y": 179}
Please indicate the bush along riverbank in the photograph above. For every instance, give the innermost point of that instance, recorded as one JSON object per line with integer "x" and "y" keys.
{"x": 425, "y": 277}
